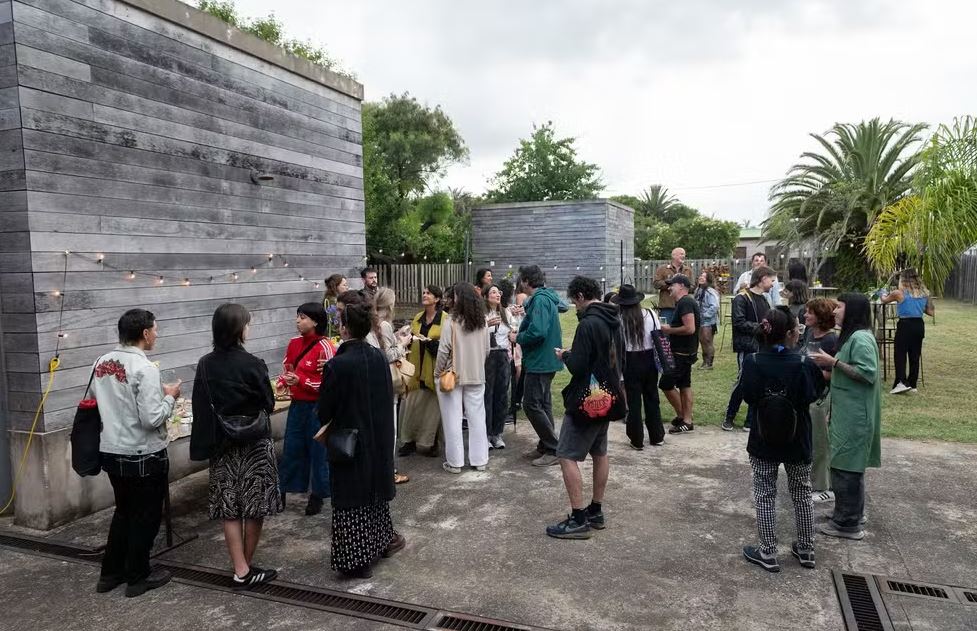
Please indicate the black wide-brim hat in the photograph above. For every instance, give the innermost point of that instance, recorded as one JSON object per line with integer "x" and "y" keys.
{"x": 627, "y": 295}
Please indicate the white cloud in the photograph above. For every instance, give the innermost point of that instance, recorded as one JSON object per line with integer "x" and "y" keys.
{"x": 690, "y": 94}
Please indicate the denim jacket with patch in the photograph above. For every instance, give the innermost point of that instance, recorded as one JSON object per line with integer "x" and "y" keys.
{"x": 130, "y": 398}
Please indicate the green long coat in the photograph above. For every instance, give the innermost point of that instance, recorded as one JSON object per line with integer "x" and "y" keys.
{"x": 856, "y": 407}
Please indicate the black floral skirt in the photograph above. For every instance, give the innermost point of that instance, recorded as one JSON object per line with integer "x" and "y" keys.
{"x": 360, "y": 535}
{"x": 244, "y": 481}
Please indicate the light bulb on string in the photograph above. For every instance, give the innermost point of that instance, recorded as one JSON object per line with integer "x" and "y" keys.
{"x": 271, "y": 257}
{"x": 159, "y": 280}
{"x": 132, "y": 275}
{"x": 56, "y": 293}
{"x": 211, "y": 279}
{"x": 253, "y": 270}
{"x": 186, "y": 282}
{"x": 62, "y": 334}
{"x": 302, "y": 278}
{"x": 285, "y": 264}
{"x": 234, "y": 276}
{"x": 99, "y": 258}
{"x": 315, "y": 285}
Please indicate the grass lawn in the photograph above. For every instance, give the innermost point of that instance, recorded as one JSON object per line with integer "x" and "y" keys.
{"x": 944, "y": 409}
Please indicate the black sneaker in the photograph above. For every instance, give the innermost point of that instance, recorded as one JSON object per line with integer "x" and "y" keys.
{"x": 596, "y": 520}
{"x": 677, "y": 421}
{"x": 253, "y": 578}
{"x": 569, "y": 529}
{"x": 314, "y": 507}
{"x": 156, "y": 578}
{"x": 681, "y": 428}
{"x": 728, "y": 425}
{"x": 753, "y": 555}
{"x": 805, "y": 557}
{"x": 407, "y": 449}
{"x": 364, "y": 571}
{"x": 636, "y": 447}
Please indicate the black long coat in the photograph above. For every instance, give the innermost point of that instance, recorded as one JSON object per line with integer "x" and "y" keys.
{"x": 357, "y": 392}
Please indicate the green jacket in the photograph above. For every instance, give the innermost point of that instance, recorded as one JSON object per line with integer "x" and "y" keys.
{"x": 855, "y": 431}
{"x": 540, "y": 333}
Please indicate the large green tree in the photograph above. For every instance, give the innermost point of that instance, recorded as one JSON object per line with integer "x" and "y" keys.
{"x": 405, "y": 145}
{"x": 544, "y": 168}
{"x": 831, "y": 199}
{"x": 930, "y": 228}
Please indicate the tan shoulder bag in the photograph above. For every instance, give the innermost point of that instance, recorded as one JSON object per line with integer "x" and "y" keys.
{"x": 447, "y": 379}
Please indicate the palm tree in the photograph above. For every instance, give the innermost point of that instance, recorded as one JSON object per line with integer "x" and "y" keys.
{"x": 656, "y": 201}
{"x": 833, "y": 197}
{"x": 933, "y": 226}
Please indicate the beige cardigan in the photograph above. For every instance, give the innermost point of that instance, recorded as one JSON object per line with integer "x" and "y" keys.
{"x": 470, "y": 351}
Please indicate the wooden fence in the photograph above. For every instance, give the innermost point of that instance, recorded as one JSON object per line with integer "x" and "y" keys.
{"x": 643, "y": 275}
{"x": 409, "y": 280}
{"x": 962, "y": 283}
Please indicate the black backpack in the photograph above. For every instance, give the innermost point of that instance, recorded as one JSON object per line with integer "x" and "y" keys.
{"x": 776, "y": 418}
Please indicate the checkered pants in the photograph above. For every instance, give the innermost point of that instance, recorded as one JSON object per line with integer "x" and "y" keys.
{"x": 765, "y": 497}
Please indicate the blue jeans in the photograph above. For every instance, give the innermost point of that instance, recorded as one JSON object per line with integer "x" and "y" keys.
{"x": 302, "y": 457}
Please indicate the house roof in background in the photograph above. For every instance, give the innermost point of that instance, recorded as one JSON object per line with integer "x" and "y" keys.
{"x": 750, "y": 233}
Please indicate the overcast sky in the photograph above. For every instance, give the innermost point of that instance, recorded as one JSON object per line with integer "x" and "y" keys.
{"x": 689, "y": 94}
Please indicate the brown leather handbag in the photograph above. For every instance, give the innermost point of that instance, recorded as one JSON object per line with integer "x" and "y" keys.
{"x": 448, "y": 377}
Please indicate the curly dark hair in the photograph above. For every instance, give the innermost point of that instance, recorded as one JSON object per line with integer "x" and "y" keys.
{"x": 507, "y": 288}
{"x": 588, "y": 288}
{"x": 469, "y": 308}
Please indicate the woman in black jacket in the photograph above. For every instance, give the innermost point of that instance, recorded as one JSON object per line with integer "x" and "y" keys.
{"x": 780, "y": 384}
{"x": 243, "y": 476}
{"x": 357, "y": 394}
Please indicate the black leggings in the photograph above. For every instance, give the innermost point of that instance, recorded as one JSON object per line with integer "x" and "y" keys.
{"x": 908, "y": 344}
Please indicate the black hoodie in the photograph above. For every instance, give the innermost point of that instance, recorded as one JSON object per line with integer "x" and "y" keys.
{"x": 590, "y": 353}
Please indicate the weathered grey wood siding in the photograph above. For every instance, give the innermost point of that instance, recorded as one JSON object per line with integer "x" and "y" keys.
{"x": 563, "y": 238}
{"x": 15, "y": 258}
{"x": 132, "y": 136}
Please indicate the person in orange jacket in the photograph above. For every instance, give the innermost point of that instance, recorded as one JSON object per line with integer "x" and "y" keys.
{"x": 304, "y": 466}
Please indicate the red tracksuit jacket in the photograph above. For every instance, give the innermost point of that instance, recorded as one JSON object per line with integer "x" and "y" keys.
{"x": 307, "y": 389}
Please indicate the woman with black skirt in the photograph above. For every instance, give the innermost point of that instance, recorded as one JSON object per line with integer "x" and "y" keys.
{"x": 243, "y": 476}
{"x": 640, "y": 372}
{"x": 357, "y": 394}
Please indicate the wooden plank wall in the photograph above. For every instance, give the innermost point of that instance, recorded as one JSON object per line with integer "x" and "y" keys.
{"x": 962, "y": 283}
{"x": 139, "y": 139}
{"x": 15, "y": 261}
{"x": 563, "y": 238}
{"x": 620, "y": 231}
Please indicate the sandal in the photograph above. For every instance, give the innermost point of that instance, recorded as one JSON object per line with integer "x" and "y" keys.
{"x": 400, "y": 478}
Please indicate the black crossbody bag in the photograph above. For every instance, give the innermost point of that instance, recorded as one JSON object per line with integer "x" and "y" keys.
{"x": 239, "y": 428}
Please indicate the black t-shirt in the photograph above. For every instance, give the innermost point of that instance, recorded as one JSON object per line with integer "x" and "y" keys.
{"x": 685, "y": 344}
{"x": 829, "y": 342}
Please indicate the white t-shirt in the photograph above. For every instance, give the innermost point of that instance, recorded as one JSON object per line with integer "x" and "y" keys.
{"x": 651, "y": 323}
{"x": 501, "y": 333}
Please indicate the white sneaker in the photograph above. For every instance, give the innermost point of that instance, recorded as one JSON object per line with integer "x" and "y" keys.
{"x": 900, "y": 388}
{"x": 496, "y": 442}
{"x": 819, "y": 497}
{"x": 913, "y": 391}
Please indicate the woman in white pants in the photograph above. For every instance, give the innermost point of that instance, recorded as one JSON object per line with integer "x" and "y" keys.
{"x": 464, "y": 347}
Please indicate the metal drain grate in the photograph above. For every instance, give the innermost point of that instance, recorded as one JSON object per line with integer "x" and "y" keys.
{"x": 458, "y": 622}
{"x": 342, "y": 603}
{"x": 861, "y": 603}
{"x": 917, "y": 589}
{"x": 969, "y": 597}
{"x": 49, "y": 548}
{"x": 306, "y": 596}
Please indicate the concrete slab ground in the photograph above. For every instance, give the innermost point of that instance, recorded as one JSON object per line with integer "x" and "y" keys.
{"x": 670, "y": 557}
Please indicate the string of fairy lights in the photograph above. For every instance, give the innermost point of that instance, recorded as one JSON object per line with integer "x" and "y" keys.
{"x": 160, "y": 279}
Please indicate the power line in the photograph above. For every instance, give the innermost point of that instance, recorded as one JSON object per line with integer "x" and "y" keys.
{"x": 728, "y": 185}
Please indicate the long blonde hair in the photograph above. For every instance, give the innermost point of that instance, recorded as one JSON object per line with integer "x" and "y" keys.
{"x": 910, "y": 284}
{"x": 384, "y": 302}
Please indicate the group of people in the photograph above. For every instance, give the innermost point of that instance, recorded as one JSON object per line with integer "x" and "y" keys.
{"x": 477, "y": 353}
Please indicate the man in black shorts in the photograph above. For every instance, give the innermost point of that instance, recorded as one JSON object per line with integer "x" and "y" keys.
{"x": 597, "y": 353}
{"x": 683, "y": 333}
